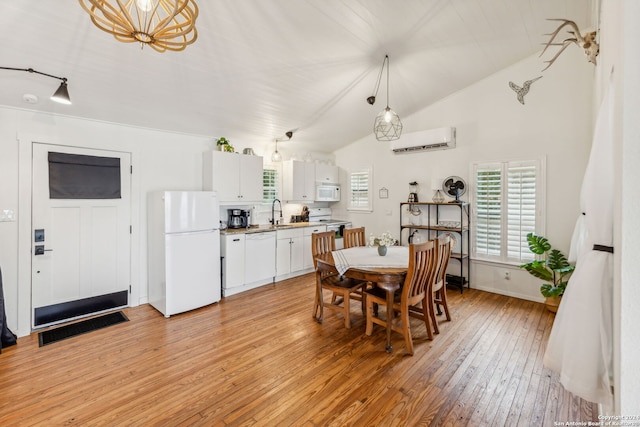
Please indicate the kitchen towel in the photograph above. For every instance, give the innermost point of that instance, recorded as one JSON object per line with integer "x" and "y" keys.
{"x": 367, "y": 257}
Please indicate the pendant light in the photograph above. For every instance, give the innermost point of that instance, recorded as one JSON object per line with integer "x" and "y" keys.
{"x": 276, "y": 156}
{"x": 161, "y": 24}
{"x": 387, "y": 126}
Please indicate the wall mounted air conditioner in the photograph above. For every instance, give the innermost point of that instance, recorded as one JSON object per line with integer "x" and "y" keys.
{"x": 432, "y": 139}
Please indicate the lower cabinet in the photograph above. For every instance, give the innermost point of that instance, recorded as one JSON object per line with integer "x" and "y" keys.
{"x": 249, "y": 261}
{"x": 289, "y": 256}
{"x": 255, "y": 259}
{"x": 293, "y": 251}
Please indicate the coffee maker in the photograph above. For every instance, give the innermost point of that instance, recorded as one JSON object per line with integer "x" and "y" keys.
{"x": 237, "y": 218}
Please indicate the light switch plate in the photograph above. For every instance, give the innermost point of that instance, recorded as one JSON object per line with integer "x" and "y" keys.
{"x": 7, "y": 215}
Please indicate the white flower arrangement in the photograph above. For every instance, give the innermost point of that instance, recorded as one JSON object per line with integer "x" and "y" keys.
{"x": 385, "y": 239}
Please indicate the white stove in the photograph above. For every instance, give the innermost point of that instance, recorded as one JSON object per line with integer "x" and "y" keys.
{"x": 323, "y": 216}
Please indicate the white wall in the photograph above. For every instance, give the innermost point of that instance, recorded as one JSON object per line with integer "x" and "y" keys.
{"x": 556, "y": 121}
{"x": 160, "y": 160}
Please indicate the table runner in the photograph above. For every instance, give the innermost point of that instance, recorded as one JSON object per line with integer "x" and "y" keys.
{"x": 367, "y": 257}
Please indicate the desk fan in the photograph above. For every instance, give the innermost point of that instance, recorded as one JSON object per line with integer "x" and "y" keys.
{"x": 454, "y": 186}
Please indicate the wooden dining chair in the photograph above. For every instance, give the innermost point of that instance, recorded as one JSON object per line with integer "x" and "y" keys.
{"x": 420, "y": 275}
{"x": 353, "y": 237}
{"x": 439, "y": 289}
{"x": 344, "y": 288}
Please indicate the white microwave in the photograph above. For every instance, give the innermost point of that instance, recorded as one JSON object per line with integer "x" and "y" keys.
{"x": 327, "y": 193}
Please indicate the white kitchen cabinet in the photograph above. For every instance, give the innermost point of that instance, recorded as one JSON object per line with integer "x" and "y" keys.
{"x": 327, "y": 174}
{"x": 236, "y": 177}
{"x": 298, "y": 181}
{"x": 289, "y": 252}
{"x": 233, "y": 263}
{"x": 249, "y": 261}
{"x": 307, "y": 258}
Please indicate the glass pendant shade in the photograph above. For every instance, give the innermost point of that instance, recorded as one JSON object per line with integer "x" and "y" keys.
{"x": 276, "y": 156}
{"x": 387, "y": 126}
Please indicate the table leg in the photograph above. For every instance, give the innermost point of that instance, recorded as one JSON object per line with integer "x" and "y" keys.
{"x": 390, "y": 316}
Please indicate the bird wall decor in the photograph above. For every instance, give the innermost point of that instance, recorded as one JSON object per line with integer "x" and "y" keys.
{"x": 522, "y": 91}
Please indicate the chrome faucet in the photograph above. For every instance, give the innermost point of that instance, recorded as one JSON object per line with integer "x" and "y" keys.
{"x": 273, "y": 211}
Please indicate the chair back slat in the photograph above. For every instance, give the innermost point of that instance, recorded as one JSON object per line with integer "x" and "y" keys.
{"x": 421, "y": 273}
{"x": 353, "y": 237}
{"x": 322, "y": 243}
{"x": 444, "y": 254}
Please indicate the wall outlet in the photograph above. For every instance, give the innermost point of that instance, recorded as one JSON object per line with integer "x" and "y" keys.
{"x": 507, "y": 275}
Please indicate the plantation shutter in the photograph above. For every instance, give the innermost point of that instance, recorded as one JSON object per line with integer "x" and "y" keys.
{"x": 360, "y": 192}
{"x": 508, "y": 204}
{"x": 488, "y": 221}
{"x": 521, "y": 211}
{"x": 269, "y": 185}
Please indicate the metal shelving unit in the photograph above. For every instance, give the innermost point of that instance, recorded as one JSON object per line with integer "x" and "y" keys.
{"x": 435, "y": 226}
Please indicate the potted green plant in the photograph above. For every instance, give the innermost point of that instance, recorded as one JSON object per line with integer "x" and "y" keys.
{"x": 552, "y": 267}
{"x": 223, "y": 145}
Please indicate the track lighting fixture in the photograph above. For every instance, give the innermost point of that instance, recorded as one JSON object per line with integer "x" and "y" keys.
{"x": 60, "y": 96}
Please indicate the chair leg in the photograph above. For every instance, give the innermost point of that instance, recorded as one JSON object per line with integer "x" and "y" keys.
{"x": 427, "y": 315}
{"x": 316, "y": 306}
{"x": 347, "y": 310}
{"x": 432, "y": 314}
{"x": 406, "y": 330}
{"x": 443, "y": 299}
{"x": 369, "y": 304}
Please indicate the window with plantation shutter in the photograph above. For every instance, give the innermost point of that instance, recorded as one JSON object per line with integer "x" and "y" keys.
{"x": 269, "y": 185}
{"x": 360, "y": 198}
{"x": 508, "y": 200}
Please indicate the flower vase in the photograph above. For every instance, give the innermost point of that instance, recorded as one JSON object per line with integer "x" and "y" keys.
{"x": 382, "y": 250}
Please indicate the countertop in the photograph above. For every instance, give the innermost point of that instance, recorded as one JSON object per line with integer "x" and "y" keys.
{"x": 269, "y": 227}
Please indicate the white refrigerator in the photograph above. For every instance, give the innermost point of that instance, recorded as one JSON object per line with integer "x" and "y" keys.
{"x": 183, "y": 250}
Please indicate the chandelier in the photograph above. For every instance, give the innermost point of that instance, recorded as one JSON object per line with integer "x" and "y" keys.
{"x": 387, "y": 126}
{"x": 162, "y": 24}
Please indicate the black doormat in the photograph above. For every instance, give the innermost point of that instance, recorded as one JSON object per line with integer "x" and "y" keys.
{"x": 79, "y": 328}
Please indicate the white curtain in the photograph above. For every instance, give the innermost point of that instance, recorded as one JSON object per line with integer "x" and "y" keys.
{"x": 580, "y": 344}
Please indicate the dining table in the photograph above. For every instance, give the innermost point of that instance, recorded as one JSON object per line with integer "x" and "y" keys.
{"x": 363, "y": 263}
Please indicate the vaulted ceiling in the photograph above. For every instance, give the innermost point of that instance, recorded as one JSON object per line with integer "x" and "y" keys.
{"x": 260, "y": 68}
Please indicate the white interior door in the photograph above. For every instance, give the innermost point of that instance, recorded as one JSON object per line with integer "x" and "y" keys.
{"x": 80, "y": 247}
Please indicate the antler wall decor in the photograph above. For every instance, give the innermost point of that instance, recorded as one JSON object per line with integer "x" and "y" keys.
{"x": 587, "y": 41}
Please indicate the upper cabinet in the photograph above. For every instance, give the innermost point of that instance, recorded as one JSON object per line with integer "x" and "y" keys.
{"x": 327, "y": 174}
{"x": 298, "y": 181}
{"x": 236, "y": 177}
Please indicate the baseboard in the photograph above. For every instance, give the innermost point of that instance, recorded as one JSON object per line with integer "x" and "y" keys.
{"x": 510, "y": 294}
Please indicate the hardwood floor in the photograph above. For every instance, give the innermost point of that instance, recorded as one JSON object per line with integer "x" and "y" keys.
{"x": 258, "y": 358}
